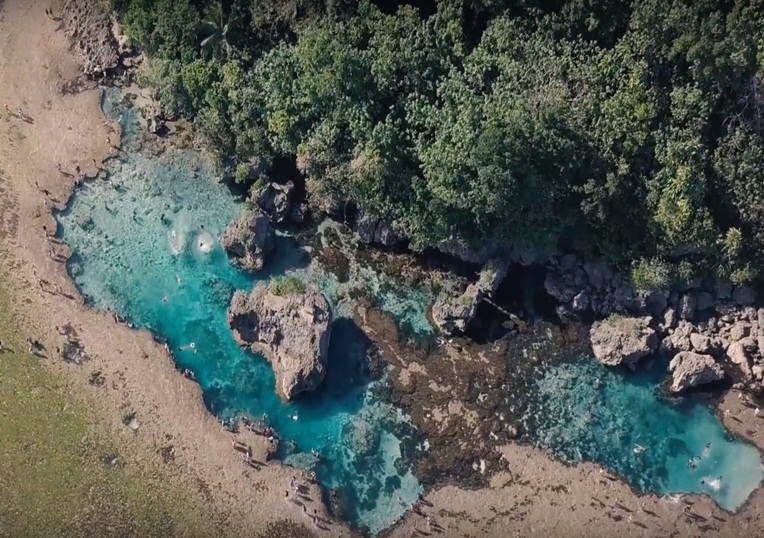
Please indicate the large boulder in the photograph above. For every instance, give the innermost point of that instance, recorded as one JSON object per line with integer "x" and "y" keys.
{"x": 248, "y": 240}
{"x": 275, "y": 199}
{"x": 623, "y": 340}
{"x": 560, "y": 289}
{"x": 702, "y": 343}
{"x": 452, "y": 314}
{"x": 690, "y": 369}
{"x": 686, "y": 308}
{"x": 738, "y": 353}
{"x": 744, "y": 296}
{"x": 678, "y": 338}
{"x": 381, "y": 231}
{"x": 599, "y": 274}
{"x": 654, "y": 302}
{"x": 704, "y": 301}
{"x": 290, "y": 324}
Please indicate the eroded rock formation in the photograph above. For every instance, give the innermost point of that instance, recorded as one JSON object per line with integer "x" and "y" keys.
{"x": 620, "y": 340}
{"x": 275, "y": 199}
{"x": 452, "y": 313}
{"x": 89, "y": 27}
{"x": 248, "y": 240}
{"x": 292, "y": 329}
{"x": 691, "y": 369}
{"x": 381, "y": 231}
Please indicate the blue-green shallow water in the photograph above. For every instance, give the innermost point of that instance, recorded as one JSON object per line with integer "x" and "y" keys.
{"x": 146, "y": 246}
{"x": 585, "y": 411}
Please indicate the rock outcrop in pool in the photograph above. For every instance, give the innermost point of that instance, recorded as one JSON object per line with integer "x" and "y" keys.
{"x": 693, "y": 369}
{"x": 290, "y": 325}
{"x": 248, "y": 240}
{"x": 620, "y": 340}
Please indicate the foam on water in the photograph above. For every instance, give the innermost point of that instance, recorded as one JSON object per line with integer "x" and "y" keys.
{"x": 146, "y": 246}
{"x": 585, "y": 411}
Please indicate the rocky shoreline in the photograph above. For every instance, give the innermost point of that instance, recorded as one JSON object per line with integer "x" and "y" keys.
{"x": 709, "y": 328}
{"x": 706, "y": 317}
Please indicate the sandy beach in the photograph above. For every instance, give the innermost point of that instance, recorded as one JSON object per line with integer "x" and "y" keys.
{"x": 39, "y": 156}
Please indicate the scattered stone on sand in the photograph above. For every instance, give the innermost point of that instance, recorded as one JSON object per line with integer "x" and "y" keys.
{"x": 248, "y": 240}
{"x": 291, "y": 329}
{"x": 621, "y": 340}
{"x": 73, "y": 352}
{"x": 691, "y": 369}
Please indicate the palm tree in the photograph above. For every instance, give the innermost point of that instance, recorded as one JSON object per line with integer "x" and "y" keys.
{"x": 218, "y": 27}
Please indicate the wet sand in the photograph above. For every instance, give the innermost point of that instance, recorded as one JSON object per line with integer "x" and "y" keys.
{"x": 534, "y": 496}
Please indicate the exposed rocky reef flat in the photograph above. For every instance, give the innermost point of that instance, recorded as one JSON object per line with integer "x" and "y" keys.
{"x": 465, "y": 399}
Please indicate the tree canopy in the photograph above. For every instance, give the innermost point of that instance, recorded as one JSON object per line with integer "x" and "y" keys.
{"x": 627, "y": 129}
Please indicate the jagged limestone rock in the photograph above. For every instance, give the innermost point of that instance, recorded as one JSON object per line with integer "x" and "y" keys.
{"x": 292, "y": 329}
{"x": 248, "y": 240}
{"x": 689, "y": 369}
{"x": 623, "y": 340}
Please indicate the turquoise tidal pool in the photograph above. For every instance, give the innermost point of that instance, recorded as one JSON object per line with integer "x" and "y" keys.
{"x": 583, "y": 411}
{"x": 146, "y": 245}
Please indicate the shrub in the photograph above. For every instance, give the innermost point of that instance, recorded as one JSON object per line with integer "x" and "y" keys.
{"x": 650, "y": 274}
{"x": 242, "y": 172}
{"x": 686, "y": 271}
{"x": 287, "y": 286}
{"x": 743, "y": 275}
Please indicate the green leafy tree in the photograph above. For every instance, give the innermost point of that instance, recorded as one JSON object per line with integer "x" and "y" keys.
{"x": 219, "y": 31}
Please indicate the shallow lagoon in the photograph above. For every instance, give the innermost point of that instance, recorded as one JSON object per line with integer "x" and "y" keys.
{"x": 585, "y": 411}
{"x": 146, "y": 246}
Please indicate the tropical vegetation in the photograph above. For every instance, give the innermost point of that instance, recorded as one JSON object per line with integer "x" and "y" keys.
{"x": 626, "y": 129}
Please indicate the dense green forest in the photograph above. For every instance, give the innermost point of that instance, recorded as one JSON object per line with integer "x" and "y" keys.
{"x": 631, "y": 130}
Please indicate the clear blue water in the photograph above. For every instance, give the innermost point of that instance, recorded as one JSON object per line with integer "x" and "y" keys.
{"x": 146, "y": 246}
{"x": 579, "y": 418}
